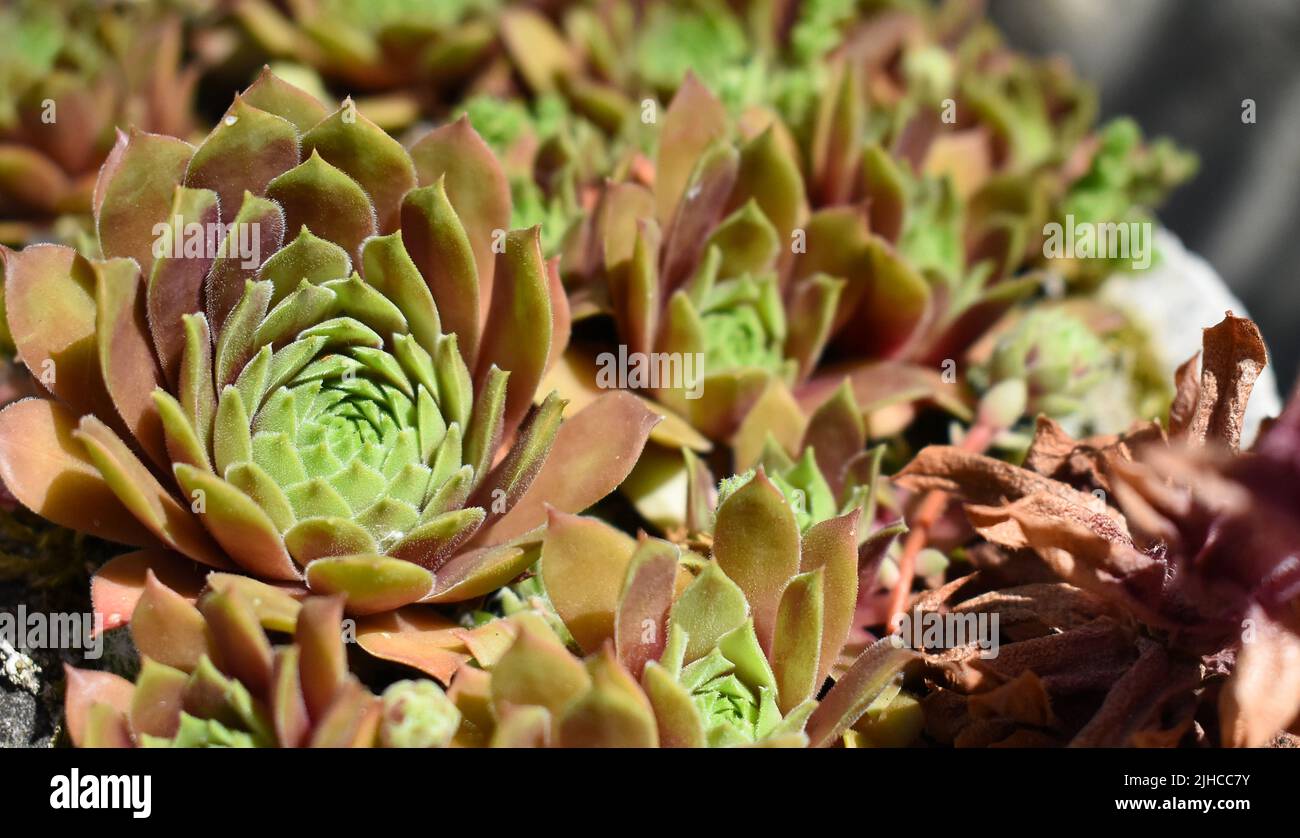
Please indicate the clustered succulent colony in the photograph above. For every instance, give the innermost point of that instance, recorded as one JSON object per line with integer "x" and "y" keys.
{"x": 546, "y": 393}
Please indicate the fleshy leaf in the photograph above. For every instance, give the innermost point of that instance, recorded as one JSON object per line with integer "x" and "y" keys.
{"x": 832, "y": 547}
{"x": 538, "y": 671}
{"x": 873, "y": 671}
{"x": 372, "y": 583}
{"x": 243, "y": 153}
{"x": 710, "y": 607}
{"x": 440, "y": 248}
{"x": 51, "y": 309}
{"x": 87, "y": 688}
{"x": 134, "y": 192}
{"x": 167, "y": 627}
{"x": 641, "y": 621}
{"x": 593, "y": 452}
{"x": 614, "y": 713}
{"x": 693, "y": 122}
{"x": 517, "y": 337}
{"x": 797, "y": 640}
{"x": 47, "y": 469}
{"x": 756, "y": 543}
{"x": 476, "y": 185}
{"x": 373, "y": 159}
{"x": 677, "y": 717}
{"x": 324, "y": 199}
{"x": 584, "y": 565}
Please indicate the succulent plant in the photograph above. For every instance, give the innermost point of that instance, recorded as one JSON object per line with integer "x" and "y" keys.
{"x": 211, "y": 676}
{"x": 719, "y": 279}
{"x": 1057, "y": 355}
{"x": 959, "y": 148}
{"x": 736, "y": 626}
{"x": 1177, "y": 557}
{"x": 77, "y": 69}
{"x": 679, "y": 654}
{"x": 336, "y": 389}
{"x": 1125, "y": 180}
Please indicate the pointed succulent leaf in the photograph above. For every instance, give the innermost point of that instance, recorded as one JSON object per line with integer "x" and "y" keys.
{"x": 307, "y": 257}
{"x": 677, "y": 717}
{"x": 756, "y": 543}
{"x": 797, "y": 640}
{"x": 388, "y": 269}
{"x": 350, "y": 141}
{"x": 238, "y": 524}
{"x": 258, "y": 230}
{"x": 143, "y": 495}
{"x": 440, "y": 247}
{"x": 324, "y": 199}
{"x": 272, "y": 94}
{"x": 584, "y": 565}
{"x": 769, "y": 176}
{"x": 523, "y": 727}
{"x": 614, "y": 713}
{"x": 710, "y": 607}
{"x": 538, "y": 671}
{"x": 243, "y": 153}
{"x": 322, "y": 662}
{"x": 156, "y": 703}
{"x": 175, "y": 286}
{"x": 51, "y": 308}
{"x": 874, "y": 671}
{"x": 241, "y": 649}
{"x": 134, "y": 191}
{"x": 476, "y": 185}
{"x": 593, "y": 452}
{"x": 167, "y": 628}
{"x": 44, "y": 465}
{"x": 694, "y": 121}
{"x": 518, "y": 333}
{"x": 87, "y": 689}
{"x": 372, "y": 583}
{"x": 832, "y": 547}
{"x": 641, "y": 620}
{"x": 118, "y": 585}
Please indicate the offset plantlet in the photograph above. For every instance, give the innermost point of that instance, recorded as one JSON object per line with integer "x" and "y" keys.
{"x": 212, "y": 675}
{"x": 338, "y": 394}
{"x": 753, "y": 625}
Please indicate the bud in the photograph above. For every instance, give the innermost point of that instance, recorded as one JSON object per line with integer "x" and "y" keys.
{"x": 418, "y": 714}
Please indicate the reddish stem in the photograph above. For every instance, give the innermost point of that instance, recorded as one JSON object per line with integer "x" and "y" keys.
{"x": 932, "y": 504}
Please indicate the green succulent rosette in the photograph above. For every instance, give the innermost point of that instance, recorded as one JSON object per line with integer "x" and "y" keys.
{"x": 212, "y": 676}
{"x": 1057, "y": 356}
{"x": 1082, "y": 362}
{"x": 723, "y": 256}
{"x": 338, "y": 394}
{"x": 1125, "y": 180}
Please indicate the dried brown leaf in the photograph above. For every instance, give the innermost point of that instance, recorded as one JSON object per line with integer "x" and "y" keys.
{"x": 1134, "y": 704}
{"x": 1234, "y": 355}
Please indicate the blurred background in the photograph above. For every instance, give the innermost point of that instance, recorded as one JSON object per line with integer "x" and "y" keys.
{"x": 1182, "y": 68}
